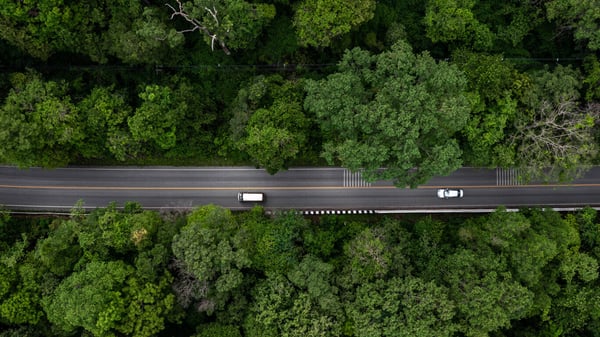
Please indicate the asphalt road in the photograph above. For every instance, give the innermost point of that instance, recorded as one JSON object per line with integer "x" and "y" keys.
{"x": 299, "y": 188}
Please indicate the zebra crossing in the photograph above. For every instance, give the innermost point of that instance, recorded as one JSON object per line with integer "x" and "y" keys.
{"x": 354, "y": 179}
{"x": 508, "y": 177}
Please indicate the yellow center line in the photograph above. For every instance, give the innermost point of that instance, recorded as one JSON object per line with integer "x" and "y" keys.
{"x": 200, "y": 188}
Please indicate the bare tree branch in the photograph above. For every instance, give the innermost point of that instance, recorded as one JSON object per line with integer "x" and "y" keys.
{"x": 558, "y": 140}
{"x": 197, "y": 25}
{"x": 188, "y": 289}
{"x": 213, "y": 13}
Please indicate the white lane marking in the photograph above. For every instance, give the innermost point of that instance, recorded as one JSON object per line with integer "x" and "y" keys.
{"x": 224, "y": 168}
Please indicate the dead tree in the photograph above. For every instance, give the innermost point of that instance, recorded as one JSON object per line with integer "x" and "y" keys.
{"x": 197, "y": 25}
{"x": 559, "y": 140}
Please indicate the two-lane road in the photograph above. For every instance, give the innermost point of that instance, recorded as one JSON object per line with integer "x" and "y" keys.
{"x": 298, "y": 188}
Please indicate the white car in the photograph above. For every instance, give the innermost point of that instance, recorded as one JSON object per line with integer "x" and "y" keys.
{"x": 447, "y": 193}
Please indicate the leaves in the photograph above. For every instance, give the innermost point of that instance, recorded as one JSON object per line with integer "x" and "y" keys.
{"x": 39, "y": 125}
{"x": 231, "y": 274}
{"x": 105, "y": 113}
{"x": 155, "y": 120}
{"x": 138, "y": 34}
{"x": 211, "y": 251}
{"x": 90, "y": 299}
{"x": 43, "y": 28}
{"x": 278, "y": 134}
{"x": 449, "y": 21}
{"x": 395, "y": 110}
{"x": 60, "y": 251}
{"x": 306, "y": 306}
{"x": 402, "y": 307}
{"x": 581, "y": 16}
{"x": 319, "y": 22}
{"x": 275, "y": 243}
{"x": 368, "y": 257}
{"x": 148, "y": 306}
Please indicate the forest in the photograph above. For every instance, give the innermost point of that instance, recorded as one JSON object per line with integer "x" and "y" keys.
{"x": 418, "y": 87}
{"x": 214, "y": 273}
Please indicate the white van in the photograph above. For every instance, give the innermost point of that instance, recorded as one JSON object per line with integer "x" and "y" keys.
{"x": 251, "y": 197}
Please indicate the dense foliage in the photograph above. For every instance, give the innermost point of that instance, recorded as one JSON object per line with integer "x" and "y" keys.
{"x": 417, "y": 87}
{"x": 214, "y": 273}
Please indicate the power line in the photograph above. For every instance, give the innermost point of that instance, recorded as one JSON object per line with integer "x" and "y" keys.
{"x": 284, "y": 67}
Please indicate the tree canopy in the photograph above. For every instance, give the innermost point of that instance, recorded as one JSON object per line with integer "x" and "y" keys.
{"x": 395, "y": 110}
{"x": 400, "y": 90}
{"x": 212, "y": 272}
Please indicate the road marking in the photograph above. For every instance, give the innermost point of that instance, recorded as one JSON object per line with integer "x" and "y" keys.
{"x": 508, "y": 177}
{"x": 354, "y": 179}
{"x": 183, "y": 169}
{"x": 200, "y": 188}
{"x": 142, "y": 188}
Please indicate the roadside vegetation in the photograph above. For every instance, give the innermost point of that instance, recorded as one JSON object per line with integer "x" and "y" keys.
{"x": 418, "y": 87}
{"x": 214, "y": 273}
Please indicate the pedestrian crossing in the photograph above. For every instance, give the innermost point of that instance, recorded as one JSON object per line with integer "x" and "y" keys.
{"x": 508, "y": 177}
{"x": 354, "y": 179}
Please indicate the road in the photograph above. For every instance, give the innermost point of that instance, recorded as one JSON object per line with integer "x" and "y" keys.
{"x": 298, "y": 188}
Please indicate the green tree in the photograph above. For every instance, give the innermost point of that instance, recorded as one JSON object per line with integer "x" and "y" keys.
{"x": 589, "y": 231}
{"x": 592, "y": 78}
{"x": 196, "y": 128}
{"x": 90, "y": 299}
{"x": 251, "y": 96}
{"x": 138, "y": 34}
{"x": 20, "y": 285}
{"x": 155, "y": 121}
{"x": 428, "y": 246}
{"x": 105, "y": 113}
{"x": 275, "y": 243}
{"x": 211, "y": 258}
{"x": 5, "y": 220}
{"x": 574, "y": 295}
{"x": 110, "y": 233}
{"x": 60, "y": 251}
{"x": 22, "y": 331}
{"x": 130, "y": 30}
{"x": 527, "y": 250}
{"x": 402, "y": 307}
{"x": 513, "y": 23}
{"x": 367, "y": 257}
{"x": 280, "y": 43}
{"x": 496, "y": 91}
{"x": 580, "y": 16}
{"x": 217, "y": 330}
{"x": 277, "y": 134}
{"x": 395, "y": 110}
{"x": 39, "y": 126}
{"x": 267, "y": 125}
{"x": 486, "y": 296}
{"x": 149, "y": 305}
{"x": 304, "y": 304}
{"x": 43, "y": 28}
{"x": 453, "y": 20}
{"x": 319, "y": 22}
{"x": 554, "y": 85}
